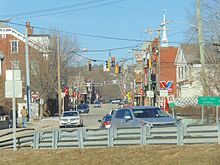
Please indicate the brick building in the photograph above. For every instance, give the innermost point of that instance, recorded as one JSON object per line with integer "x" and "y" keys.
{"x": 12, "y": 50}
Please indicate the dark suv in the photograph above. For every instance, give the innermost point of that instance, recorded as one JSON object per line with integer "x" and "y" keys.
{"x": 83, "y": 108}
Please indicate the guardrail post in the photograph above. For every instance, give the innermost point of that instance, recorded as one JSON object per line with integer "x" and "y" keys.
{"x": 54, "y": 139}
{"x": 185, "y": 132}
{"x": 80, "y": 138}
{"x": 36, "y": 140}
{"x": 143, "y": 134}
{"x": 179, "y": 133}
{"x": 148, "y": 133}
{"x": 218, "y": 125}
{"x": 115, "y": 132}
{"x": 111, "y": 136}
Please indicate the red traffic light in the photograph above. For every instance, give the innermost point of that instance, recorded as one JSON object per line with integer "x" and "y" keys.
{"x": 66, "y": 92}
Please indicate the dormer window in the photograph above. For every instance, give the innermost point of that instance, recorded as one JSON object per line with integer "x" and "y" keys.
{"x": 14, "y": 46}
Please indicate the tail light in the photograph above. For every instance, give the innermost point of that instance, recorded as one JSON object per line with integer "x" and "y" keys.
{"x": 107, "y": 123}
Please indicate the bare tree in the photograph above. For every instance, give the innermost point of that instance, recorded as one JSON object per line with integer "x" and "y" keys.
{"x": 210, "y": 12}
{"x": 44, "y": 65}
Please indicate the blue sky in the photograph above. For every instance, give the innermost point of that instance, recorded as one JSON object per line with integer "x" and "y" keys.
{"x": 123, "y": 19}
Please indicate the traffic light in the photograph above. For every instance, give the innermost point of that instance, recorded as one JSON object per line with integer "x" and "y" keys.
{"x": 107, "y": 63}
{"x": 116, "y": 69}
{"x": 113, "y": 61}
{"x": 119, "y": 69}
{"x": 66, "y": 92}
{"x": 89, "y": 65}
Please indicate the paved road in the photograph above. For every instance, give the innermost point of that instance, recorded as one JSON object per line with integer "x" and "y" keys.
{"x": 91, "y": 119}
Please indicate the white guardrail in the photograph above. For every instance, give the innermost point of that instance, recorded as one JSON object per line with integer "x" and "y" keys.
{"x": 83, "y": 137}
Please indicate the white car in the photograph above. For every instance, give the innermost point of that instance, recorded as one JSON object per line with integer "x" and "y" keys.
{"x": 70, "y": 118}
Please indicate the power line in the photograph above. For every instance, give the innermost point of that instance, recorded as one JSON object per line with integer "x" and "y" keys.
{"x": 88, "y": 35}
{"x": 69, "y": 11}
{"x": 50, "y": 9}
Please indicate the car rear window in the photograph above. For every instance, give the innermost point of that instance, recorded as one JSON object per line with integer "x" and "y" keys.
{"x": 107, "y": 118}
{"x": 149, "y": 113}
{"x": 82, "y": 106}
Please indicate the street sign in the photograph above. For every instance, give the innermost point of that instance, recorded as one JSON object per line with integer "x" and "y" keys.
{"x": 209, "y": 100}
{"x": 150, "y": 94}
{"x": 172, "y": 104}
{"x": 9, "y": 89}
{"x": 163, "y": 93}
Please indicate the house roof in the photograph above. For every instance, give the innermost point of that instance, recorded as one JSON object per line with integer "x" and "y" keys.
{"x": 168, "y": 54}
{"x": 191, "y": 53}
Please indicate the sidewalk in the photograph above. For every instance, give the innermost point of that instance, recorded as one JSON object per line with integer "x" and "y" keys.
{"x": 36, "y": 124}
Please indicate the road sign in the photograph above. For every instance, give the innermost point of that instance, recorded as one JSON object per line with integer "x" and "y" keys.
{"x": 209, "y": 100}
{"x": 35, "y": 95}
{"x": 172, "y": 104}
{"x": 9, "y": 89}
{"x": 150, "y": 94}
{"x": 163, "y": 93}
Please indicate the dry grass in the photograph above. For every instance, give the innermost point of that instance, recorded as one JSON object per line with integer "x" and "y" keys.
{"x": 138, "y": 155}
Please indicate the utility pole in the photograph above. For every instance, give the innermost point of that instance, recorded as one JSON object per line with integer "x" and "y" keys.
{"x": 27, "y": 75}
{"x": 201, "y": 46}
{"x": 133, "y": 77}
{"x": 58, "y": 74}
{"x": 158, "y": 70}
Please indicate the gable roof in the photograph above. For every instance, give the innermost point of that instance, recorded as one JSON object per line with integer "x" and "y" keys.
{"x": 191, "y": 53}
{"x": 168, "y": 54}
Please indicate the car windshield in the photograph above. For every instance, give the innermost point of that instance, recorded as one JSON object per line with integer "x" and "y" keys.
{"x": 70, "y": 114}
{"x": 149, "y": 113}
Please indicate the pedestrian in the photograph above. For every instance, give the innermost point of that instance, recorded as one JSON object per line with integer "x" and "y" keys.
{"x": 24, "y": 116}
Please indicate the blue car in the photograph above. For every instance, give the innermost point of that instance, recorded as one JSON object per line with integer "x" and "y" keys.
{"x": 97, "y": 104}
{"x": 83, "y": 108}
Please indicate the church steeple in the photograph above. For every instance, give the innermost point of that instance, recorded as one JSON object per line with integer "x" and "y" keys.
{"x": 164, "y": 33}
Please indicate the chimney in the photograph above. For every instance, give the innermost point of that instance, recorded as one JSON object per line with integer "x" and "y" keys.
{"x": 29, "y": 28}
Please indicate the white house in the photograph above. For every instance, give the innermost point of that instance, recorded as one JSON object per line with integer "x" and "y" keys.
{"x": 188, "y": 70}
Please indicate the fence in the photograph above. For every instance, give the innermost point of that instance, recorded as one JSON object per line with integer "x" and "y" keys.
{"x": 82, "y": 137}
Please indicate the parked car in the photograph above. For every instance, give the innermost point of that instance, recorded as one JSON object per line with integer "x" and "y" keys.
{"x": 106, "y": 121}
{"x": 97, "y": 104}
{"x": 116, "y": 101}
{"x": 70, "y": 118}
{"x": 83, "y": 108}
{"x": 134, "y": 116}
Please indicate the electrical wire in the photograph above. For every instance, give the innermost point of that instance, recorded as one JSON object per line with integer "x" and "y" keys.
{"x": 67, "y": 11}
{"x": 87, "y": 35}
{"x": 52, "y": 9}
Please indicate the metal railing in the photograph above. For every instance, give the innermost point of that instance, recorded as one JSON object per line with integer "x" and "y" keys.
{"x": 82, "y": 137}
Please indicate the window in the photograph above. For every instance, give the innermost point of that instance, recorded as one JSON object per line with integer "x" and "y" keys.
{"x": 179, "y": 72}
{"x": 34, "y": 67}
{"x": 14, "y": 46}
{"x": 120, "y": 114}
{"x": 15, "y": 65}
{"x": 185, "y": 71}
